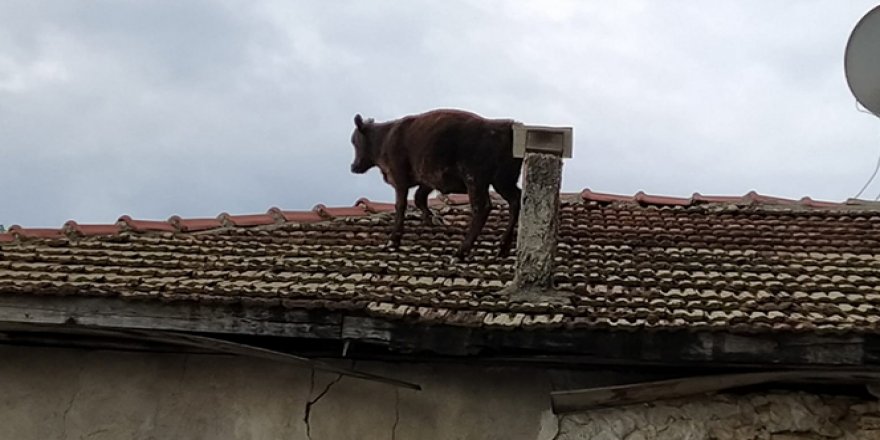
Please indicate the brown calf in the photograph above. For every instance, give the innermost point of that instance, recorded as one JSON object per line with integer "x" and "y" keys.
{"x": 450, "y": 151}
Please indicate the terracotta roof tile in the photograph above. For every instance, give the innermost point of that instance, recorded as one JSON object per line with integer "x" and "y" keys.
{"x": 454, "y": 199}
{"x": 375, "y": 207}
{"x": 806, "y": 201}
{"x": 17, "y": 230}
{"x": 699, "y": 198}
{"x": 752, "y": 263}
{"x": 329, "y": 213}
{"x": 301, "y": 216}
{"x": 87, "y": 230}
{"x": 754, "y": 197}
{"x": 194, "y": 224}
{"x": 591, "y": 196}
{"x": 130, "y": 224}
{"x": 641, "y": 197}
{"x": 246, "y": 219}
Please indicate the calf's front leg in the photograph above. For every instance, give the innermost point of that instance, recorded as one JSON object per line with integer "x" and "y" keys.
{"x": 399, "y": 215}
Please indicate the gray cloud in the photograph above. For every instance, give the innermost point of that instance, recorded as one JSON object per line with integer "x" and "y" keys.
{"x": 193, "y": 108}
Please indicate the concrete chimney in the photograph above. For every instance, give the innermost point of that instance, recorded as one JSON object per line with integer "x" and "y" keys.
{"x": 543, "y": 149}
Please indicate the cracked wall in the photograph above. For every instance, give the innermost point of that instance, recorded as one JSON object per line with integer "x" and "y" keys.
{"x": 48, "y": 394}
{"x": 759, "y": 416}
{"x": 53, "y": 394}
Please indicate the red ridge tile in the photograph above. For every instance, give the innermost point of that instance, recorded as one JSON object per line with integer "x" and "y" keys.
{"x": 301, "y": 216}
{"x": 145, "y": 225}
{"x": 341, "y": 211}
{"x": 194, "y": 224}
{"x": 246, "y": 219}
{"x": 699, "y": 198}
{"x": 754, "y": 197}
{"x": 375, "y": 207}
{"x": 591, "y": 196}
{"x": 276, "y": 213}
{"x": 648, "y": 199}
{"x": 454, "y": 199}
{"x": 73, "y": 227}
{"x": 354, "y": 211}
{"x": 321, "y": 210}
{"x": 861, "y": 202}
{"x": 807, "y": 201}
{"x": 6, "y": 237}
{"x": 35, "y": 232}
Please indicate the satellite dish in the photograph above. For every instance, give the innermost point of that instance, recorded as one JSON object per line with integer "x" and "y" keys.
{"x": 862, "y": 61}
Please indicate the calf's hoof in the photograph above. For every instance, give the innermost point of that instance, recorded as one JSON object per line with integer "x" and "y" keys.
{"x": 434, "y": 220}
{"x": 392, "y": 244}
{"x": 462, "y": 255}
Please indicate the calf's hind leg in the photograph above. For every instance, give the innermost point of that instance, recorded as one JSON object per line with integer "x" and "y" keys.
{"x": 421, "y": 199}
{"x": 480, "y": 208}
{"x": 513, "y": 195}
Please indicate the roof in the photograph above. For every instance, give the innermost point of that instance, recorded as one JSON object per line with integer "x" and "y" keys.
{"x": 705, "y": 263}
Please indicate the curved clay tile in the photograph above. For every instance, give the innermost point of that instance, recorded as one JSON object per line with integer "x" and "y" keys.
{"x": 194, "y": 224}
{"x": 648, "y": 199}
{"x": 72, "y": 227}
{"x": 131, "y": 224}
{"x": 246, "y": 219}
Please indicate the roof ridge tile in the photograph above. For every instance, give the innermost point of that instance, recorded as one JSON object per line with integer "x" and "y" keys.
{"x": 808, "y": 201}
{"x": 241, "y": 220}
{"x": 592, "y": 196}
{"x": 649, "y": 199}
{"x": 71, "y": 227}
{"x": 346, "y": 211}
{"x": 375, "y": 207}
{"x": 321, "y": 210}
{"x": 20, "y": 232}
{"x": 194, "y": 224}
{"x": 753, "y": 197}
{"x": 129, "y": 224}
{"x": 301, "y": 216}
{"x": 698, "y": 198}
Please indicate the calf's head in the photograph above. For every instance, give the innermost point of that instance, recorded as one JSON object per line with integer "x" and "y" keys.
{"x": 364, "y": 154}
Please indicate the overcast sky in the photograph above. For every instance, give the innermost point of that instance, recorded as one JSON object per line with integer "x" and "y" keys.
{"x": 198, "y": 107}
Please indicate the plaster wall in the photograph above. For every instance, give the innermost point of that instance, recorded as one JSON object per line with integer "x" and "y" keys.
{"x": 51, "y": 393}
{"x": 759, "y": 416}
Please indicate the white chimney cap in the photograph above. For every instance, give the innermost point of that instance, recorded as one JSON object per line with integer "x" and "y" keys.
{"x": 542, "y": 139}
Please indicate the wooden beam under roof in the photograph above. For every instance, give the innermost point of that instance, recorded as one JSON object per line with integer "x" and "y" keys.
{"x": 804, "y": 350}
{"x": 618, "y": 395}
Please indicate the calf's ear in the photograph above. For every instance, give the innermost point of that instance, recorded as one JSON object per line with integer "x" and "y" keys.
{"x": 359, "y": 122}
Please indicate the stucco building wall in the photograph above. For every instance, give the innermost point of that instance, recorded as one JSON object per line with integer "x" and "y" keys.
{"x": 757, "y": 416}
{"x": 51, "y": 393}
